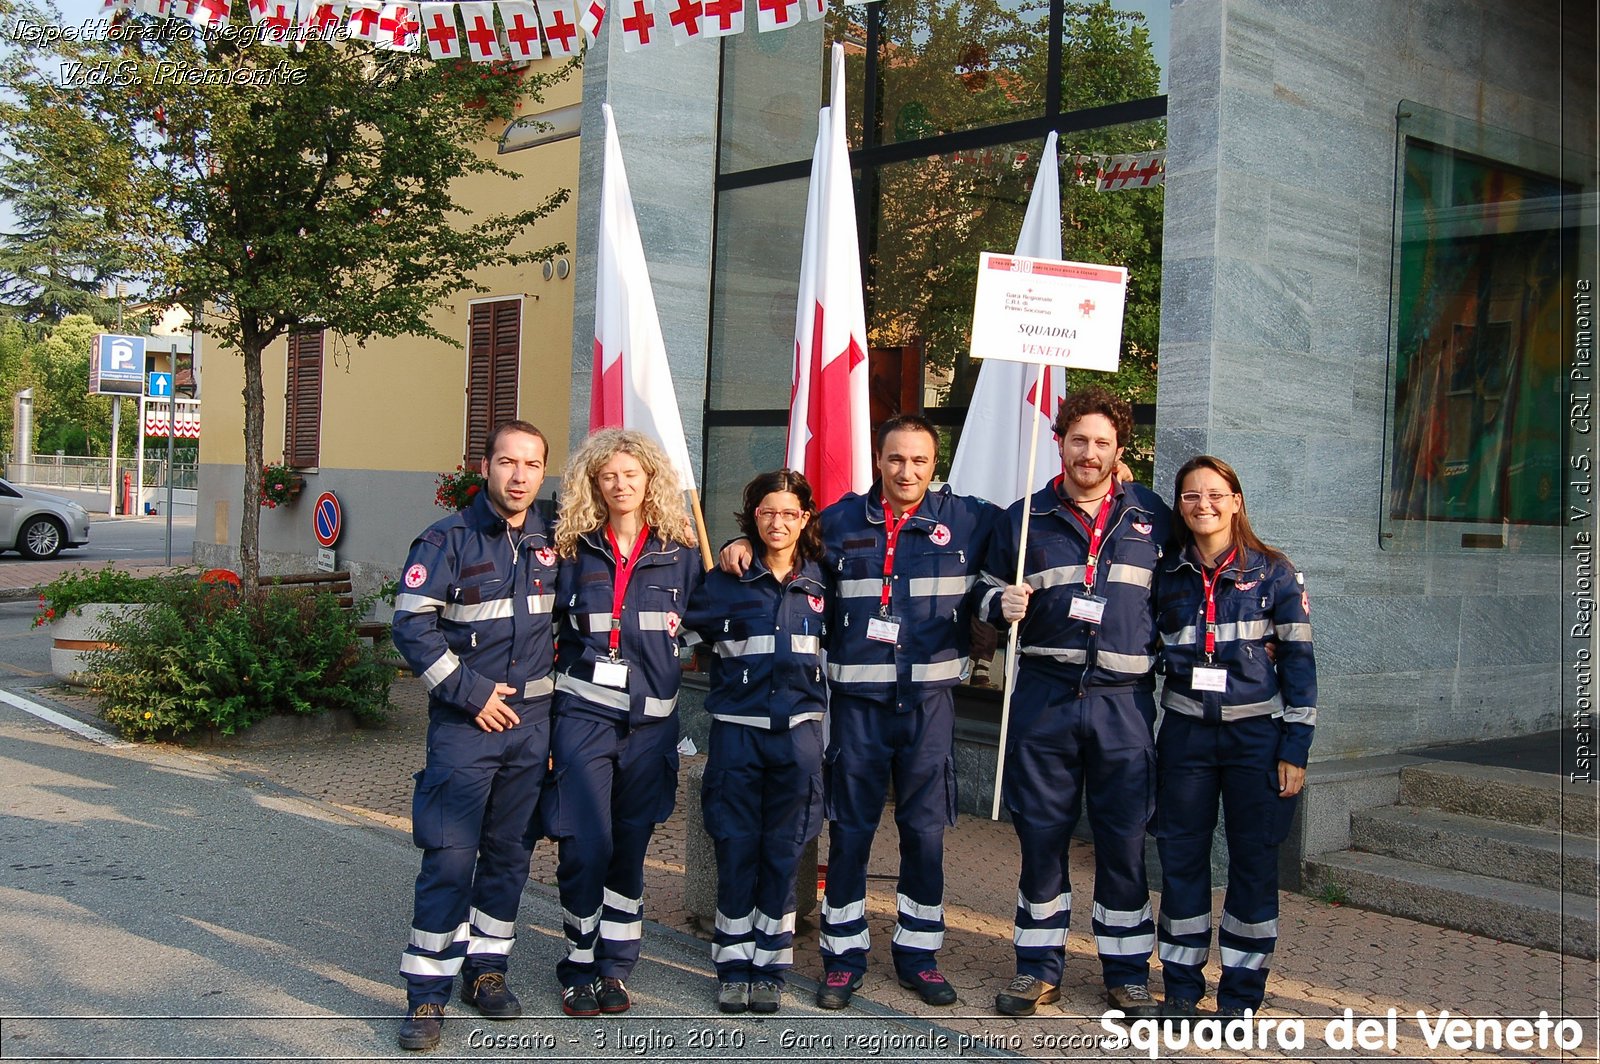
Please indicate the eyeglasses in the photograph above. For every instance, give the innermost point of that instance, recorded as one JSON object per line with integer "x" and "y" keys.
{"x": 1192, "y": 498}
{"x": 790, "y": 516}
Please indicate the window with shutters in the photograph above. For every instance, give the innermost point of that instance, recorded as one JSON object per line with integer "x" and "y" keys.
{"x": 494, "y": 350}
{"x": 302, "y": 401}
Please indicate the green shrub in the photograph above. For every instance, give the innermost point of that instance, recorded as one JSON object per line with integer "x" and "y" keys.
{"x": 206, "y": 657}
{"x": 70, "y": 591}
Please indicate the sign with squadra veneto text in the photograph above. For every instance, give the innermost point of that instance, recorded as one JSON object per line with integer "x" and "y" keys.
{"x": 1048, "y": 312}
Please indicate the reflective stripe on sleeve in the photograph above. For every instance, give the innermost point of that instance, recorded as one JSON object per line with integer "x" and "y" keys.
{"x": 416, "y": 604}
{"x": 435, "y": 674}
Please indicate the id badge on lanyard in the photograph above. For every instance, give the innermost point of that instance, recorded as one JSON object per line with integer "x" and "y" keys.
{"x": 1086, "y": 605}
{"x": 1212, "y": 677}
{"x": 612, "y": 671}
{"x": 885, "y": 627}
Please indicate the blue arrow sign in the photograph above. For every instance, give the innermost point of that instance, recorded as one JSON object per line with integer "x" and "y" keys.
{"x": 160, "y": 385}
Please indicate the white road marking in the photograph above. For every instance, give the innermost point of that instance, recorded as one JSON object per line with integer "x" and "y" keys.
{"x": 61, "y": 720}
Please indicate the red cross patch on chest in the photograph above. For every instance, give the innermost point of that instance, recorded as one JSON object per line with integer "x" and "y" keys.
{"x": 940, "y": 535}
{"x": 545, "y": 555}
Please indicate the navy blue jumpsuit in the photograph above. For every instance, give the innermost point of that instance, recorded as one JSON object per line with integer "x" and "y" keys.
{"x": 1228, "y": 744}
{"x": 762, "y": 795}
{"x": 1081, "y": 724}
{"x": 892, "y": 710}
{"x": 473, "y": 610}
{"x": 615, "y": 750}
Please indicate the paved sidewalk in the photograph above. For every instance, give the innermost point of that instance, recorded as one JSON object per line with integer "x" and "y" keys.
{"x": 1329, "y": 958}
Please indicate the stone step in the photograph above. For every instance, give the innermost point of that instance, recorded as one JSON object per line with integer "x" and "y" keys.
{"x": 1536, "y": 856}
{"x": 1497, "y": 908}
{"x": 1514, "y": 796}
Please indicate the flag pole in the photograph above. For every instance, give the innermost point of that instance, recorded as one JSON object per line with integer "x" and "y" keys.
{"x": 1011, "y": 640}
{"x": 700, "y": 527}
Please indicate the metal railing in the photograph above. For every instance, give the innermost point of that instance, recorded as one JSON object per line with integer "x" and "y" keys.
{"x": 91, "y": 474}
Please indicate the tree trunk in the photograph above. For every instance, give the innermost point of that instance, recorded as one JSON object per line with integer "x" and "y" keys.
{"x": 250, "y": 505}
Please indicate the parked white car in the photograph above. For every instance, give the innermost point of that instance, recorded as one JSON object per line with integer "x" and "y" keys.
{"x": 37, "y": 524}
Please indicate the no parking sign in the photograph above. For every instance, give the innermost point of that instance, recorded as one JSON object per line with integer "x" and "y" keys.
{"x": 327, "y": 519}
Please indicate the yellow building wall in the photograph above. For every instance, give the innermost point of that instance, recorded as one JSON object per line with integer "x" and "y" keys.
{"x": 399, "y": 403}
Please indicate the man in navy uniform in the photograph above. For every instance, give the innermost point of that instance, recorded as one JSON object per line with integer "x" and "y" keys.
{"x": 472, "y": 619}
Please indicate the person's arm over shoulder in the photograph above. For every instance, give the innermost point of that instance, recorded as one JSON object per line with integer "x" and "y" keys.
{"x": 1296, "y": 663}
{"x": 418, "y": 607}
{"x": 708, "y": 601}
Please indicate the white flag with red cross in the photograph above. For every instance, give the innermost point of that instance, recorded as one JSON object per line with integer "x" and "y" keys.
{"x": 828, "y": 431}
{"x": 439, "y": 29}
{"x": 257, "y": 9}
{"x": 522, "y": 29}
{"x": 632, "y": 380}
{"x": 363, "y": 20}
{"x": 590, "y": 14}
{"x": 322, "y": 21}
{"x": 814, "y": 9}
{"x": 560, "y": 21}
{"x": 1007, "y": 407}
{"x": 721, "y": 18}
{"x": 683, "y": 18}
{"x": 277, "y": 25}
{"x": 159, "y": 8}
{"x": 399, "y": 27}
{"x": 776, "y": 14}
{"x": 210, "y": 13}
{"x": 483, "y": 40}
{"x": 640, "y": 26}
{"x": 111, "y": 7}
{"x": 183, "y": 9}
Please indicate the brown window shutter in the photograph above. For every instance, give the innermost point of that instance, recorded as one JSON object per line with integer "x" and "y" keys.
{"x": 302, "y": 434}
{"x": 494, "y": 354}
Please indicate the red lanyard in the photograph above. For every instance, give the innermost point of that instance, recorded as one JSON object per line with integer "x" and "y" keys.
{"x": 892, "y": 529}
{"x": 1208, "y": 580}
{"x": 619, "y": 586}
{"x": 1096, "y": 532}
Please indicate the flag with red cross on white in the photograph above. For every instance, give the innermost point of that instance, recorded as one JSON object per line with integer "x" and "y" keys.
{"x": 721, "y": 18}
{"x": 640, "y": 27}
{"x": 776, "y": 14}
{"x": 363, "y": 23}
{"x": 257, "y": 8}
{"x": 277, "y": 25}
{"x": 483, "y": 43}
{"x": 560, "y": 21}
{"x": 399, "y": 27}
{"x": 210, "y": 13}
{"x": 111, "y": 7}
{"x": 590, "y": 14}
{"x": 439, "y": 29}
{"x": 322, "y": 21}
{"x": 522, "y": 29}
{"x": 683, "y": 19}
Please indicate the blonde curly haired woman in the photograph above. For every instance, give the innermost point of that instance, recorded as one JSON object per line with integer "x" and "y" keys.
{"x": 627, "y": 569}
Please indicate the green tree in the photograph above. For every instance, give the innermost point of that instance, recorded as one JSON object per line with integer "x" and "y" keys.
{"x": 277, "y": 187}
{"x": 66, "y": 417}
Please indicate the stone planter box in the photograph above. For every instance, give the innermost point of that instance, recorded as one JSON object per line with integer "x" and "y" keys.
{"x": 76, "y": 633}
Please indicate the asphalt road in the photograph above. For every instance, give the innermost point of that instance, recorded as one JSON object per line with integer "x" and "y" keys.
{"x": 155, "y": 906}
{"x": 125, "y": 539}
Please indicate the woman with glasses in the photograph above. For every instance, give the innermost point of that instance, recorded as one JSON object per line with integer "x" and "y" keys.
{"x": 628, "y": 568}
{"x": 1240, "y": 703}
{"x": 762, "y": 794}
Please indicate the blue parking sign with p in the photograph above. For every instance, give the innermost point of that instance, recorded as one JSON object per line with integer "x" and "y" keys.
{"x": 118, "y": 367}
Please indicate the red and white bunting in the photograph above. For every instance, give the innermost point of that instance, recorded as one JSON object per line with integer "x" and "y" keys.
{"x": 399, "y": 27}
{"x": 1144, "y": 170}
{"x": 777, "y": 14}
{"x": 683, "y": 18}
{"x": 183, "y": 9}
{"x": 320, "y": 20}
{"x": 364, "y": 20}
{"x": 258, "y": 10}
{"x": 721, "y": 18}
{"x": 210, "y": 13}
{"x": 277, "y": 26}
{"x": 640, "y": 26}
{"x": 522, "y": 29}
{"x": 560, "y": 21}
{"x": 158, "y": 8}
{"x": 483, "y": 43}
{"x": 590, "y": 14}
{"x": 111, "y": 7}
{"x": 439, "y": 29}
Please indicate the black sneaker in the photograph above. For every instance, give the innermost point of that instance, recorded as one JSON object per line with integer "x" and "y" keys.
{"x": 579, "y": 1001}
{"x": 931, "y": 985}
{"x": 765, "y": 996}
{"x": 1024, "y": 994}
{"x": 837, "y": 989}
{"x": 1229, "y": 1016}
{"x": 421, "y": 1027}
{"x": 489, "y": 994}
{"x": 611, "y": 995}
{"x": 1179, "y": 1012}
{"x": 1134, "y": 1000}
